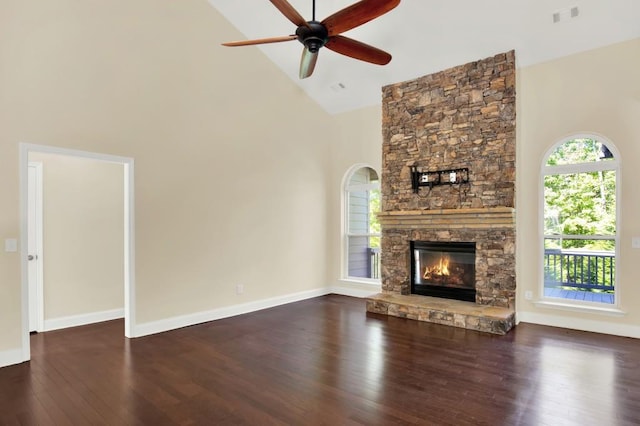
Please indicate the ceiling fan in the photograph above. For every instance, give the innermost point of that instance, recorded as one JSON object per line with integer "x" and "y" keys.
{"x": 314, "y": 35}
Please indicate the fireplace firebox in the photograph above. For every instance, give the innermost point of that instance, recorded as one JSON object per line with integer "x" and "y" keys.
{"x": 444, "y": 269}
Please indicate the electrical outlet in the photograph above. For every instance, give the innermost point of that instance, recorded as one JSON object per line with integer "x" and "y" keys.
{"x": 528, "y": 295}
{"x": 635, "y": 242}
{"x": 239, "y": 288}
{"x": 11, "y": 245}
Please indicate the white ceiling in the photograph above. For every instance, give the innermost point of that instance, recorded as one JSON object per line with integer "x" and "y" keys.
{"x": 426, "y": 36}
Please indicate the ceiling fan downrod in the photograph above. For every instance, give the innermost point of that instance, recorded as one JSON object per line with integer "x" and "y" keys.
{"x": 313, "y": 35}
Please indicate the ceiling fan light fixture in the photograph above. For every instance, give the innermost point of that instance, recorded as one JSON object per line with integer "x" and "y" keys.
{"x": 313, "y": 44}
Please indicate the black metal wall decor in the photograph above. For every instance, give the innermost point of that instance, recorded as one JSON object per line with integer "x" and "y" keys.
{"x": 420, "y": 177}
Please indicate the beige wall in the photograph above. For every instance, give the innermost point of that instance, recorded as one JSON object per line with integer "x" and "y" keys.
{"x": 358, "y": 141}
{"x": 83, "y": 235}
{"x": 593, "y": 92}
{"x": 231, "y": 157}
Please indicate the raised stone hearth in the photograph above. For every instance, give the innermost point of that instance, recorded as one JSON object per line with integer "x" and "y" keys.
{"x": 490, "y": 319}
{"x": 461, "y": 118}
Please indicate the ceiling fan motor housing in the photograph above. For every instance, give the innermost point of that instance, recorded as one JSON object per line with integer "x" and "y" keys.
{"x": 314, "y": 35}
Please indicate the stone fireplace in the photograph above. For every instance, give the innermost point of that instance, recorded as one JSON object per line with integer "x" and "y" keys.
{"x": 461, "y": 118}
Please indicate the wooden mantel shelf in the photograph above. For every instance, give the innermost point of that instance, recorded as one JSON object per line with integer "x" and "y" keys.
{"x": 492, "y": 217}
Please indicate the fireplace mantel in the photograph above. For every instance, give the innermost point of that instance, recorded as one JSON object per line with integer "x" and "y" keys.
{"x": 482, "y": 218}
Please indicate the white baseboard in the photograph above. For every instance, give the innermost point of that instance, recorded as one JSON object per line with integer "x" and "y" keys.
{"x": 11, "y": 357}
{"x": 354, "y": 292}
{"x": 82, "y": 319}
{"x": 615, "y": 329}
{"x": 173, "y": 323}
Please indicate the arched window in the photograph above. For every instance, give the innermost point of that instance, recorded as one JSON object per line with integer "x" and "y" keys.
{"x": 580, "y": 177}
{"x": 362, "y": 229}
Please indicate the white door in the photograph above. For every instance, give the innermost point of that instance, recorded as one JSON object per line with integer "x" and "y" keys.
{"x": 34, "y": 246}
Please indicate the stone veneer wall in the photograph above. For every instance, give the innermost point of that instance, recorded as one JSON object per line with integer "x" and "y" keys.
{"x": 460, "y": 117}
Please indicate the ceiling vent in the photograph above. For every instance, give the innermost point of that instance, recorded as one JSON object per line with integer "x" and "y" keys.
{"x": 564, "y": 15}
{"x": 338, "y": 87}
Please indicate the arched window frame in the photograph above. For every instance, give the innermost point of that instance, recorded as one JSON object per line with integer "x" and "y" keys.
{"x": 545, "y": 170}
{"x": 345, "y": 231}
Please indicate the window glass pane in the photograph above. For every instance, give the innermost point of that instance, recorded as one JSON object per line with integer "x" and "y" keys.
{"x": 580, "y": 203}
{"x": 364, "y": 259}
{"x": 374, "y": 208}
{"x": 578, "y": 151}
{"x": 358, "y": 212}
{"x": 363, "y": 227}
{"x": 595, "y": 245}
{"x": 573, "y": 268}
{"x": 580, "y": 224}
{"x": 363, "y": 176}
{"x": 373, "y": 176}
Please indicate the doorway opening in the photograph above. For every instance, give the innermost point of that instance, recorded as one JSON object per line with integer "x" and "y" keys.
{"x": 28, "y": 258}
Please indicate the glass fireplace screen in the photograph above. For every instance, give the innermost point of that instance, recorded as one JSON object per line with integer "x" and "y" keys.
{"x": 443, "y": 268}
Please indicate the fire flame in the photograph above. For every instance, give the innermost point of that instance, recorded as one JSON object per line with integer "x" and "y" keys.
{"x": 440, "y": 269}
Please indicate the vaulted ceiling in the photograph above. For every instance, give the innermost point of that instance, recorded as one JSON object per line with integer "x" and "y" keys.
{"x": 426, "y": 36}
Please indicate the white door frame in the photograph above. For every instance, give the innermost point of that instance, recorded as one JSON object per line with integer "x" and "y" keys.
{"x": 34, "y": 235}
{"x": 129, "y": 247}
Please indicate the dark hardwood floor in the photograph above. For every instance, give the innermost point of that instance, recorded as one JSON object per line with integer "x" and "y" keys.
{"x": 324, "y": 361}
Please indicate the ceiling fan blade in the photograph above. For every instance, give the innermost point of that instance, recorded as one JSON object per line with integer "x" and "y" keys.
{"x": 260, "y": 41}
{"x": 307, "y": 63}
{"x": 358, "y": 50}
{"x": 357, "y": 14}
{"x": 289, "y": 12}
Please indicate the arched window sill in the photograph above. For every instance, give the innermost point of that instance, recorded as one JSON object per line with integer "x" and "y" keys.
{"x": 366, "y": 281}
{"x": 585, "y": 308}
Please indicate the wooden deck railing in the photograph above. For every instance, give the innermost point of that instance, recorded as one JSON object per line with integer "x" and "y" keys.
{"x": 374, "y": 262}
{"x": 581, "y": 269}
